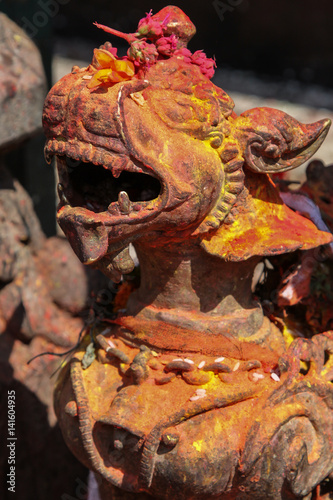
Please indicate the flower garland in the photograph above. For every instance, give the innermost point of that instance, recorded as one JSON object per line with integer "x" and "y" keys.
{"x": 147, "y": 46}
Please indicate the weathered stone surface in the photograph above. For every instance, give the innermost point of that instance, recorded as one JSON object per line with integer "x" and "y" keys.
{"x": 22, "y": 84}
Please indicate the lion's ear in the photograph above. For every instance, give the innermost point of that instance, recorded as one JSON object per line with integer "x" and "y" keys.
{"x": 272, "y": 141}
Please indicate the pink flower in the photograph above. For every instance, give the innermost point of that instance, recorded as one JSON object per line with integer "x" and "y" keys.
{"x": 108, "y": 46}
{"x": 205, "y": 64}
{"x": 147, "y": 45}
{"x": 198, "y": 57}
{"x": 166, "y": 45}
{"x": 150, "y": 28}
{"x": 185, "y": 54}
{"x": 142, "y": 52}
{"x": 113, "y": 51}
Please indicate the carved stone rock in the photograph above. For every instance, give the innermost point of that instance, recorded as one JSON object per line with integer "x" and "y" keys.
{"x": 192, "y": 392}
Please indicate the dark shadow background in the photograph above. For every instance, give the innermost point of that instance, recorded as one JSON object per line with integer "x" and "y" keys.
{"x": 277, "y": 38}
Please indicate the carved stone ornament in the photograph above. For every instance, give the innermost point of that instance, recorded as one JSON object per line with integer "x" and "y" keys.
{"x": 194, "y": 393}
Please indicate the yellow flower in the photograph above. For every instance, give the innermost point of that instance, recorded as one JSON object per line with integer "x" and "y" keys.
{"x": 112, "y": 70}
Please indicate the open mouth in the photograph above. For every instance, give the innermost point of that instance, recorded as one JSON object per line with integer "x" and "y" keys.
{"x": 103, "y": 195}
{"x": 95, "y": 188}
{"x": 98, "y": 189}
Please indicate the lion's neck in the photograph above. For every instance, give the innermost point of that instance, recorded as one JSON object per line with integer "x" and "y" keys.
{"x": 197, "y": 291}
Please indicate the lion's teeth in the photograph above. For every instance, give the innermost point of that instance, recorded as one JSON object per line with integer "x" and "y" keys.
{"x": 118, "y": 166}
{"x": 116, "y": 173}
{"x": 48, "y": 157}
{"x": 62, "y": 195}
{"x": 124, "y": 202}
{"x": 112, "y": 209}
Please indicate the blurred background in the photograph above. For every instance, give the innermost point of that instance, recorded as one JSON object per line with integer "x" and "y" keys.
{"x": 272, "y": 53}
{"x": 275, "y": 39}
